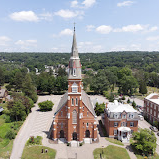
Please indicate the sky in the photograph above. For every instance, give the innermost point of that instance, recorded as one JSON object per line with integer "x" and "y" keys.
{"x": 101, "y": 25}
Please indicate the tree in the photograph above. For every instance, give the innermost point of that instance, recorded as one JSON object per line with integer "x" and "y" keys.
{"x": 2, "y": 77}
{"x": 99, "y": 109}
{"x": 28, "y": 88}
{"x": 142, "y": 87}
{"x": 10, "y": 134}
{"x": 145, "y": 141}
{"x": 133, "y": 104}
{"x": 20, "y": 107}
{"x": 99, "y": 84}
{"x": 46, "y": 105}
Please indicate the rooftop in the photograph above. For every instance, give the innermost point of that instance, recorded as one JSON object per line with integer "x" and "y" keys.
{"x": 119, "y": 107}
{"x": 153, "y": 97}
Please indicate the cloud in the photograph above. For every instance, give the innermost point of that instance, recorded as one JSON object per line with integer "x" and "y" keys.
{"x": 90, "y": 27}
{"x": 24, "y": 16}
{"x": 4, "y": 40}
{"x": 69, "y": 14}
{"x": 25, "y": 43}
{"x": 46, "y": 16}
{"x": 66, "y": 32}
{"x": 130, "y": 28}
{"x": 84, "y": 4}
{"x": 74, "y": 4}
{"x": 88, "y": 3}
{"x": 153, "y": 38}
{"x": 153, "y": 28}
{"x": 125, "y": 3}
{"x": 131, "y": 47}
{"x": 104, "y": 29}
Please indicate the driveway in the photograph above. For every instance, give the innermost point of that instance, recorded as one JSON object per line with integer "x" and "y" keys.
{"x": 37, "y": 123}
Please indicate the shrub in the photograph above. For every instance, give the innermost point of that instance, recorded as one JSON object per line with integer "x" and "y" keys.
{"x": 133, "y": 104}
{"x": 10, "y": 134}
{"x": 46, "y": 105}
{"x": 128, "y": 101}
{"x": 34, "y": 140}
{"x": 81, "y": 144}
{"x": 7, "y": 119}
{"x": 68, "y": 144}
{"x": 123, "y": 98}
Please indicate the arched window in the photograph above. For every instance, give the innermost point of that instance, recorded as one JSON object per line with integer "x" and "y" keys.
{"x": 72, "y": 101}
{"x": 74, "y": 88}
{"x": 74, "y": 117}
{"x": 76, "y": 101}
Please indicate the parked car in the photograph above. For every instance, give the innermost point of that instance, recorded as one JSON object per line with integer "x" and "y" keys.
{"x": 158, "y": 133}
{"x": 141, "y": 117}
{"x": 153, "y": 128}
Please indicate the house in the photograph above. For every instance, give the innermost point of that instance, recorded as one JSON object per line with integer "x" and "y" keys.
{"x": 4, "y": 97}
{"x": 74, "y": 120}
{"x": 120, "y": 120}
{"x": 151, "y": 107}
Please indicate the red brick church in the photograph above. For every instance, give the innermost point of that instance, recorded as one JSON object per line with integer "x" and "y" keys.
{"x": 74, "y": 118}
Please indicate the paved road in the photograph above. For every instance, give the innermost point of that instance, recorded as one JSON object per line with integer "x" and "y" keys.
{"x": 37, "y": 123}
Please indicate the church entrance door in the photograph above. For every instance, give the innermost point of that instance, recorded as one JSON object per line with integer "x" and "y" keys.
{"x": 74, "y": 135}
{"x": 61, "y": 134}
{"x": 87, "y": 133}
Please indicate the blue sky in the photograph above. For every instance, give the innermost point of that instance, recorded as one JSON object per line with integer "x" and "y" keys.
{"x": 101, "y": 25}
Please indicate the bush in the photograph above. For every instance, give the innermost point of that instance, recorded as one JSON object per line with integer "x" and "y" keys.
{"x": 34, "y": 140}
{"x": 10, "y": 135}
{"x": 46, "y": 105}
{"x": 123, "y": 98}
{"x": 68, "y": 144}
{"x": 81, "y": 144}
{"x": 128, "y": 101}
{"x": 7, "y": 119}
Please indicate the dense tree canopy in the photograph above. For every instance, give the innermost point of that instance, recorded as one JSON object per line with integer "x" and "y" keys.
{"x": 145, "y": 141}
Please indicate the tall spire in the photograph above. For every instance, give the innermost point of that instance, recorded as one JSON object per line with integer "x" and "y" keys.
{"x": 74, "y": 52}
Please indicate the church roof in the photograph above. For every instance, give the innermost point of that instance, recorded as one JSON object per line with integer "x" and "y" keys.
{"x": 62, "y": 102}
{"x": 85, "y": 99}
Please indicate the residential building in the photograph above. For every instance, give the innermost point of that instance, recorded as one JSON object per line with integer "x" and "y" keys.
{"x": 74, "y": 119}
{"x": 120, "y": 120}
{"x": 151, "y": 107}
{"x": 4, "y": 95}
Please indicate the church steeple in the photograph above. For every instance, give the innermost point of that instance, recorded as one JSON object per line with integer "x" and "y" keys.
{"x": 74, "y": 52}
{"x": 74, "y": 63}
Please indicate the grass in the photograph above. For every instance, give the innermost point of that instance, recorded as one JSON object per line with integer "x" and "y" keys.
{"x": 111, "y": 152}
{"x": 6, "y": 144}
{"x": 114, "y": 141}
{"x": 34, "y": 152}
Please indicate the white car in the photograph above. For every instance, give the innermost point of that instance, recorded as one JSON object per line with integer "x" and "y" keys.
{"x": 141, "y": 117}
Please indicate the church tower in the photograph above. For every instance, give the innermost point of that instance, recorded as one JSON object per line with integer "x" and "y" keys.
{"x": 74, "y": 118}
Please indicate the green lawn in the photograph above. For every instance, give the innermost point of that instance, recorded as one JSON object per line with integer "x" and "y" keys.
{"x": 111, "y": 152}
{"x": 6, "y": 144}
{"x": 114, "y": 141}
{"x": 34, "y": 152}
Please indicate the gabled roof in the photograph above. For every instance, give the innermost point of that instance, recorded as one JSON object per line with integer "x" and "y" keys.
{"x": 62, "y": 102}
{"x": 85, "y": 99}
